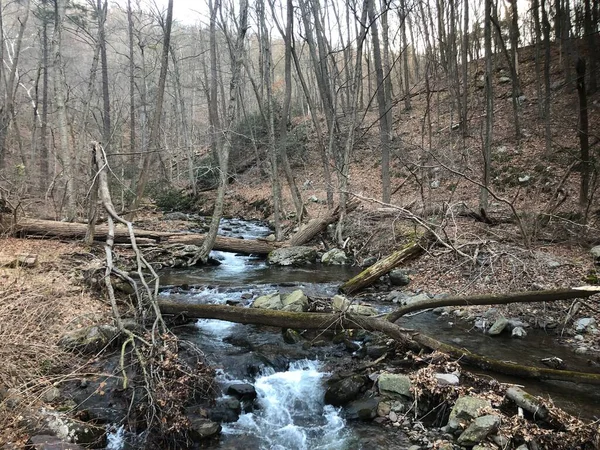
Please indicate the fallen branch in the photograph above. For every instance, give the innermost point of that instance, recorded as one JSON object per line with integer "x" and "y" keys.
{"x": 496, "y": 299}
{"x": 380, "y": 268}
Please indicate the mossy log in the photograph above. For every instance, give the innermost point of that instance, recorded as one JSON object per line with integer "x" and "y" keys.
{"x": 380, "y": 268}
{"x": 284, "y": 319}
{"x": 496, "y": 299}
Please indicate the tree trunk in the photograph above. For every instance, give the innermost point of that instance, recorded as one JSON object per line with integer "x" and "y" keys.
{"x": 102, "y": 10}
{"x": 153, "y": 144}
{"x": 582, "y": 132}
{"x": 489, "y": 108}
{"x": 547, "y": 96}
{"x": 60, "y": 85}
{"x": 384, "y": 126}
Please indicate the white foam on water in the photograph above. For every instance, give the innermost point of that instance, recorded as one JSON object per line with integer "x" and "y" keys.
{"x": 292, "y": 414}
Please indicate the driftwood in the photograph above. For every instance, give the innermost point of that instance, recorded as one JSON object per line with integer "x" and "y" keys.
{"x": 380, "y": 268}
{"x": 286, "y": 319}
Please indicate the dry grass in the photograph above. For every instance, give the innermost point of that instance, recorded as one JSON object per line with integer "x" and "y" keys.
{"x": 38, "y": 305}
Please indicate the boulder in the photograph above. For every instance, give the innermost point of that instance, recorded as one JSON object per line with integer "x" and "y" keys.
{"x": 227, "y": 409}
{"x": 292, "y": 256}
{"x": 201, "y": 428}
{"x": 69, "y": 430}
{"x": 466, "y": 408}
{"x": 362, "y": 310}
{"x": 175, "y": 216}
{"x": 242, "y": 391}
{"x": 394, "y": 384}
{"x": 344, "y": 391}
{"x": 291, "y": 336}
{"x": 447, "y": 379}
{"x": 295, "y": 301}
{"x": 399, "y": 277}
{"x": 479, "y": 429}
{"x": 585, "y": 325}
{"x": 89, "y": 339}
{"x": 334, "y": 257}
{"x": 595, "y": 252}
{"x": 339, "y": 303}
{"x": 48, "y": 442}
{"x": 364, "y": 409}
{"x": 498, "y": 326}
{"x": 269, "y": 301}
{"x": 368, "y": 262}
{"x": 519, "y": 332}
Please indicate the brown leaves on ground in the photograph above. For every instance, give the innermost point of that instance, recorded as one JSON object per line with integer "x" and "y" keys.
{"x": 38, "y": 305}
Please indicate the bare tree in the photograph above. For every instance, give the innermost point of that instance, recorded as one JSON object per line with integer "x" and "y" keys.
{"x": 224, "y": 144}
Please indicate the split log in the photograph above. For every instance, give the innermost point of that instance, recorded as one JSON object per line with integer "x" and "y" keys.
{"x": 285, "y": 319}
{"x": 380, "y": 268}
{"x": 228, "y": 244}
{"x": 496, "y": 299}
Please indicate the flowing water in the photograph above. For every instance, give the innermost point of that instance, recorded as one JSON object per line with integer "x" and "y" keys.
{"x": 289, "y": 380}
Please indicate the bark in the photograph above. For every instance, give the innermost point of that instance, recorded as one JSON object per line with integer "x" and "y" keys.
{"x": 44, "y": 153}
{"x": 318, "y": 225}
{"x": 380, "y": 268}
{"x": 60, "y": 85}
{"x": 285, "y": 319}
{"x": 102, "y": 9}
{"x": 7, "y": 110}
{"x": 547, "y": 96}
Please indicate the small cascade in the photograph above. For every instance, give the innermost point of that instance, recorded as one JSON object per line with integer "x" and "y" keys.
{"x": 291, "y": 413}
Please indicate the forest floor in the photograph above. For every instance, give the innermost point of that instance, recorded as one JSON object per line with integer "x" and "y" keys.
{"x": 430, "y": 178}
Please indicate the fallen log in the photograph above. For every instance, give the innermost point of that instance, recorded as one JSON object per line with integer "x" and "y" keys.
{"x": 285, "y": 319}
{"x": 506, "y": 367}
{"x": 67, "y": 230}
{"x": 318, "y": 225}
{"x": 496, "y": 299}
{"x": 380, "y": 268}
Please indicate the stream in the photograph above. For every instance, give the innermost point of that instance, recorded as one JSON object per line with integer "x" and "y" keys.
{"x": 289, "y": 379}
